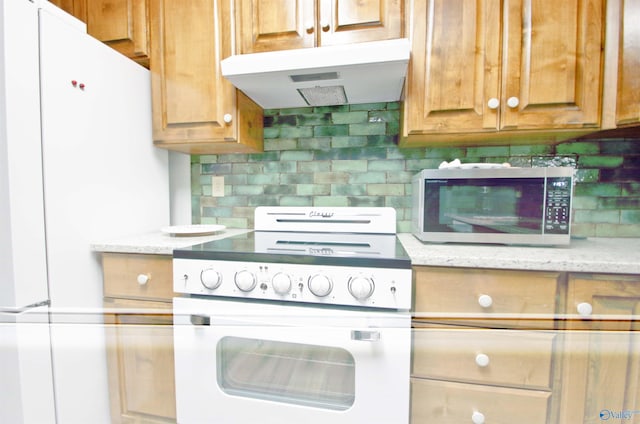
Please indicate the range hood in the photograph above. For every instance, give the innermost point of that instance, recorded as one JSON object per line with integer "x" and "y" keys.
{"x": 322, "y": 76}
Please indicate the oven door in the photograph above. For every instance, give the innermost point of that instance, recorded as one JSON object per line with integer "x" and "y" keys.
{"x": 240, "y": 362}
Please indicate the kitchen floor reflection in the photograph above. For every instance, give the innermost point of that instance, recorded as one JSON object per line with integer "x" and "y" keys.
{"x": 584, "y": 372}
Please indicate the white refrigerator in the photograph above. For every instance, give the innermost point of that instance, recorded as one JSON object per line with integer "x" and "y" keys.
{"x": 77, "y": 164}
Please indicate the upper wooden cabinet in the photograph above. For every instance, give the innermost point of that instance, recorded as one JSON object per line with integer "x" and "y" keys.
{"x": 628, "y": 90}
{"x": 195, "y": 109}
{"x": 122, "y": 24}
{"x": 269, "y": 25}
{"x": 484, "y": 67}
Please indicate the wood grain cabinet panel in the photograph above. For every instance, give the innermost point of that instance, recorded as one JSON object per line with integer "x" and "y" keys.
{"x": 481, "y": 69}
{"x": 121, "y": 24}
{"x": 484, "y": 356}
{"x": 445, "y": 402}
{"x": 628, "y": 90}
{"x": 138, "y": 276}
{"x": 601, "y": 349}
{"x": 489, "y": 298}
{"x": 195, "y": 109}
{"x": 139, "y": 337}
{"x": 483, "y": 345}
{"x": 271, "y": 25}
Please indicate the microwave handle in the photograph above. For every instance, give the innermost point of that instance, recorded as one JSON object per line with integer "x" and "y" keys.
{"x": 365, "y": 336}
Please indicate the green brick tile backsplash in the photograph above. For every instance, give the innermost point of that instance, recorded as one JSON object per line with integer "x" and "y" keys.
{"x": 348, "y": 156}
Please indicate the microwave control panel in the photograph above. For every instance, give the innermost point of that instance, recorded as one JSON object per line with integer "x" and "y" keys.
{"x": 558, "y": 205}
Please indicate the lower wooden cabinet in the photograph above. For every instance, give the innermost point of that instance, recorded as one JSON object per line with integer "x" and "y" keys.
{"x": 139, "y": 336}
{"x": 544, "y": 348}
{"x": 521, "y": 359}
{"x": 600, "y": 377}
{"x": 446, "y": 402}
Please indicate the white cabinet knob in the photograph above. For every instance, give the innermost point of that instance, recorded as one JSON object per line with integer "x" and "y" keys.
{"x": 143, "y": 279}
{"x": 227, "y": 118}
{"x": 493, "y": 103}
{"x": 482, "y": 360}
{"x": 485, "y": 301}
{"x": 309, "y": 27}
{"x": 325, "y": 26}
{"x": 585, "y": 309}
{"x": 513, "y": 102}
{"x": 477, "y": 418}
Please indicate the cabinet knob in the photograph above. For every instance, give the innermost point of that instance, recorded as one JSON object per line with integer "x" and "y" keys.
{"x": 477, "y": 417}
{"x": 325, "y": 26}
{"x": 485, "y": 301}
{"x": 309, "y": 27}
{"x": 143, "y": 279}
{"x": 493, "y": 103}
{"x": 227, "y": 118}
{"x": 513, "y": 102}
{"x": 482, "y": 360}
{"x": 585, "y": 309}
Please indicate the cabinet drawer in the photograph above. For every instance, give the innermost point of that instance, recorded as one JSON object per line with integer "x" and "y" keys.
{"x": 138, "y": 276}
{"x": 454, "y": 403}
{"x": 515, "y": 358}
{"x": 470, "y": 296}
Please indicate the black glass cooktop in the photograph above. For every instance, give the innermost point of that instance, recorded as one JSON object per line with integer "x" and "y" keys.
{"x": 340, "y": 249}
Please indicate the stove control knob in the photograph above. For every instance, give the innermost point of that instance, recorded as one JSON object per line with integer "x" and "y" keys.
{"x": 210, "y": 278}
{"x": 281, "y": 283}
{"x": 361, "y": 287}
{"x": 245, "y": 280}
{"x": 320, "y": 285}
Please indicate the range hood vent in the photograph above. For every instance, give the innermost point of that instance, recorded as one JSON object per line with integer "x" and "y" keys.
{"x": 322, "y": 76}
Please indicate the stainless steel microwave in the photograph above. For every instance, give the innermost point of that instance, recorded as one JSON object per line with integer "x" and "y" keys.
{"x": 530, "y": 206}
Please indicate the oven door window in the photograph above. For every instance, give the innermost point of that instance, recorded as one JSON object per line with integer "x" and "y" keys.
{"x": 294, "y": 373}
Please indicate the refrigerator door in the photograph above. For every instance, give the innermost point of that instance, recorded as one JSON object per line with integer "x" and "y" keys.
{"x": 102, "y": 179}
{"x": 23, "y": 271}
{"x": 26, "y": 385}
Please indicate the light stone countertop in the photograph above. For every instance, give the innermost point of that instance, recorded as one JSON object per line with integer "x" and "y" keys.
{"x": 157, "y": 243}
{"x": 594, "y": 255}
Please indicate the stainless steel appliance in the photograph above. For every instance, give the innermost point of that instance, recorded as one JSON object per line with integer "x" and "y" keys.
{"x": 305, "y": 319}
{"x": 487, "y": 203}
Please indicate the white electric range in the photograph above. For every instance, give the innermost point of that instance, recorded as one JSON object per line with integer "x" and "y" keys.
{"x": 305, "y": 319}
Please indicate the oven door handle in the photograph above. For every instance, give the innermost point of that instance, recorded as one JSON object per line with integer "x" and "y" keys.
{"x": 200, "y": 320}
{"x": 365, "y": 336}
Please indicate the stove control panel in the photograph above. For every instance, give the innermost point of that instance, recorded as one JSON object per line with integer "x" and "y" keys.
{"x": 334, "y": 285}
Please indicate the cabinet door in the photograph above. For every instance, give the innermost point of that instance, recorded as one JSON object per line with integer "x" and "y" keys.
{"x": 601, "y": 352}
{"x": 628, "y": 107}
{"x": 77, "y": 8}
{"x": 140, "y": 361}
{"x": 356, "y": 21}
{"x": 552, "y": 64}
{"x": 195, "y": 109}
{"x": 445, "y": 402}
{"x": 122, "y": 24}
{"x": 269, "y": 25}
{"x": 454, "y": 68}
{"x": 190, "y": 96}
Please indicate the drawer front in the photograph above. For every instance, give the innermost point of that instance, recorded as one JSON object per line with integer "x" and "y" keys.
{"x": 514, "y": 358}
{"x": 138, "y": 276}
{"x": 454, "y": 403}
{"x": 518, "y": 298}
